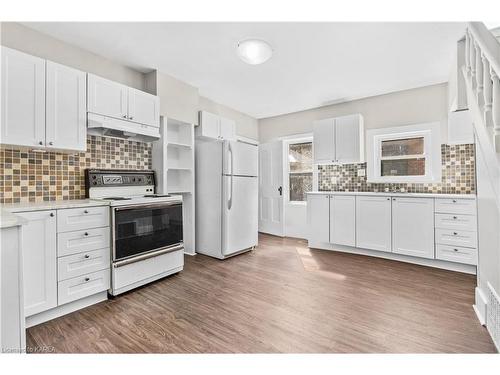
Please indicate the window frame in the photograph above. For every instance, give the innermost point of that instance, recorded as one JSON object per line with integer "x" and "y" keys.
{"x": 431, "y": 153}
{"x": 286, "y": 169}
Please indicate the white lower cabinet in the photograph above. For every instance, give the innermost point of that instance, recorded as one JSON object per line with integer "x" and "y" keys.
{"x": 343, "y": 220}
{"x": 413, "y": 226}
{"x": 39, "y": 261}
{"x": 319, "y": 217}
{"x": 373, "y": 223}
{"x": 62, "y": 266}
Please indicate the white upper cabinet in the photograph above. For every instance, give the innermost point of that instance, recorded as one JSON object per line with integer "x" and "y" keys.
{"x": 324, "y": 141}
{"x": 216, "y": 127}
{"x": 143, "y": 108}
{"x": 460, "y": 127}
{"x": 373, "y": 223}
{"x": 23, "y": 99}
{"x": 107, "y": 98}
{"x": 413, "y": 226}
{"x": 66, "y": 114}
{"x": 339, "y": 140}
{"x": 227, "y": 129}
{"x": 318, "y": 211}
{"x": 349, "y": 139}
{"x": 39, "y": 261}
{"x": 343, "y": 220}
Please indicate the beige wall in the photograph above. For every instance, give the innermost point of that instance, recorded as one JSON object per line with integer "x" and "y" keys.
{"x": 24, "y": 39}
{"x": 400, "y": 108}
{"x": 246, "y": 126}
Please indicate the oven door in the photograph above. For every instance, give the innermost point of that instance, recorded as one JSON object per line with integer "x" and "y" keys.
{"x": 142, "y": 229}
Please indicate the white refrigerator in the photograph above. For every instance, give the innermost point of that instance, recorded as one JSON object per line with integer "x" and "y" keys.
{"x": 226, "y": 197}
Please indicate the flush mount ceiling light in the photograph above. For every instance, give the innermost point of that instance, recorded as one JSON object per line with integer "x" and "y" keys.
{"x": 254, "y": 51}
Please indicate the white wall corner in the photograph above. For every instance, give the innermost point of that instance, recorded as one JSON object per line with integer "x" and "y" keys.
{"x": 480, "y": 306}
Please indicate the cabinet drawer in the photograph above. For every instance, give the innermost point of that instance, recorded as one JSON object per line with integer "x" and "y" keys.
{"x": 82, "y": 218}
{"x": 455, "y": 221}
{"x": 83, "y": 286}
{"x": 456, "y": 254}
{"x": 83, "y": 240}
{"x": 456, "y": 206}
{"x": 80, "y": 264}
{"x": 456, "y": 237}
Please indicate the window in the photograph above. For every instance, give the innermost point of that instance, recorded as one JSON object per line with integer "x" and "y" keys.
{"x": 404, "y": 154}
{"x": 300, "y": 170}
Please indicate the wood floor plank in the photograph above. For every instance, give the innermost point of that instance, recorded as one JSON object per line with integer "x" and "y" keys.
{"x": 281, "y": 297}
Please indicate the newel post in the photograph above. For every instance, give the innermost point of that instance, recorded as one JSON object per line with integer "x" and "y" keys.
{"x": 479, "y": 76}
{"x": 467, "y": 52}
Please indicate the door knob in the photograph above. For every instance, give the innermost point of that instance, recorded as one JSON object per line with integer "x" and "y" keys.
{"x": 280, "y": 189}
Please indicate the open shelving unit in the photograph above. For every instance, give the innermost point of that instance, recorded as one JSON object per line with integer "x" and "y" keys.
{"x": 173, "y": 162}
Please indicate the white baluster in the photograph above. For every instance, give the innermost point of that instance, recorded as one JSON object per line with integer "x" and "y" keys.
{"x": 496, "y": 109}
{"x": 467, "y": 47}
{"x": 487, "y": 91}
{"x": 479, "y": 77}
{"x": 472, "y": 59}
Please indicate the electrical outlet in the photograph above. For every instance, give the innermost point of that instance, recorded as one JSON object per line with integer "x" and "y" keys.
{"x": 361, "y": 172}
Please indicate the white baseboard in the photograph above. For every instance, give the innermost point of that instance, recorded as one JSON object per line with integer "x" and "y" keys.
{"x": 58, "y": 311}
{"x": 480, "y": 306}
{"x": 451, "y": 266}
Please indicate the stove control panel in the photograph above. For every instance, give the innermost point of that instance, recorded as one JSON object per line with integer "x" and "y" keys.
{"x": 103, "y": 178}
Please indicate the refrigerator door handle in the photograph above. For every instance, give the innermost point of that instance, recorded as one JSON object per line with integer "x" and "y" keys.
{"x": 230, "y": 200}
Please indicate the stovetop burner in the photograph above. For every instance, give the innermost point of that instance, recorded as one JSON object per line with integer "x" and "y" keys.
{"x": 156, "y": 195}
{"x": 117, "y": 198}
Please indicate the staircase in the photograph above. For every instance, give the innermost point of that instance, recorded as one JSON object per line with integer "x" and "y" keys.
{"x": 479, "y": 91}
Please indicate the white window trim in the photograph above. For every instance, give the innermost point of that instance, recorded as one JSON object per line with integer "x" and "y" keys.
{"x": 287, "y": 141}
{"x": 432, "y": 152}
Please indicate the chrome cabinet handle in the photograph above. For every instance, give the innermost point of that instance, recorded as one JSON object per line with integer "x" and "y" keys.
{"x": 455, "y": 249}
{"x": 86, "y": 211}
{"x": 454, "y": 201}
{"x": 124, "y": 116}
{"x": 40, "y": 143}
{"x": 86, "y": 234}
{"x": 131, "y": 117}
{"x": 87, "y": 279}
{"x": 87, "y": 256}
{"x": 388, "y": 199}
{"x": 455, "y": 233}
{"x": 51, "y": 214}
{"x": 51, "y": 143}
{"x": 454, "y": 218}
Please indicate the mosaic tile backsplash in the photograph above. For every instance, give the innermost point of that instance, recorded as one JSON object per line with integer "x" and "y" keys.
{"x": 458, "y": 175}
{"x": 28, "y": 176}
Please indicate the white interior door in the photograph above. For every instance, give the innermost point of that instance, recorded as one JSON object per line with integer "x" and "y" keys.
{"x": 271, "y": 188}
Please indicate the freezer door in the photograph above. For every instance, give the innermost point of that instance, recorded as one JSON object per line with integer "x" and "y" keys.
{"x": 239, "y": 214}
{"x": 240, "y": 158}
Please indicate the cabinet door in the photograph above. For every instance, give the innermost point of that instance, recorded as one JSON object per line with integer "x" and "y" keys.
{"x": 413, "y": 226}
{"x": 39, "y": 261}
{"x": 143, "y": 108}
{"x": 324, "y": 141}
{"x": 373, "y": 223}
{"x": 66, "y": 126}
{"x": 318, "y": 217}
{"x": 348, "y": 139}
{"x": 227, "y": 129}
{"x": 106, "y": 97}
{"x": 209, "y": 125}
{"x": 343, "y": 220}
{"x": 23, "y": 99}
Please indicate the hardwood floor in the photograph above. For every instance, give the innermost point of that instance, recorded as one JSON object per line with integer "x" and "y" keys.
{"x": 282, "y": 297}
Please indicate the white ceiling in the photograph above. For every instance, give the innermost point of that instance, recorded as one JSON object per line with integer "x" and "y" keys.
{"x": 314, "y": 64}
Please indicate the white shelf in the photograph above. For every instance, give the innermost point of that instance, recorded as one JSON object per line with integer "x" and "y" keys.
{"x": 173, "y": 162}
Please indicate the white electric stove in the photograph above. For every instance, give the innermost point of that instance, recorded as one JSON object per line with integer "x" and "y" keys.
{"x": 146, "y": 228}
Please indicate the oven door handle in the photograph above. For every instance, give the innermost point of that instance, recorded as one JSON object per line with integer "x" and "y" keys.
{"x": 152, "y": 205}
{"x": 152, "y": 254}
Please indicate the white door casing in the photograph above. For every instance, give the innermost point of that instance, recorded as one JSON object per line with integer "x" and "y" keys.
{"x": 271, "y": 188}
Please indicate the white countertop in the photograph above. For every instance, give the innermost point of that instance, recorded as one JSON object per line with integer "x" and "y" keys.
{"x": 8, "y": 219}
{"x": 384, "y": 194}
{"x": 51, "y": 205}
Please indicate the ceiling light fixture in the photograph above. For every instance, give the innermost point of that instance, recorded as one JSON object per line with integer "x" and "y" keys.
{"x": 254, "y": 51}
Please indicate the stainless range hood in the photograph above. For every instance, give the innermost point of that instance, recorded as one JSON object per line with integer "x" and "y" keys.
{"x": 112, "y": 127}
